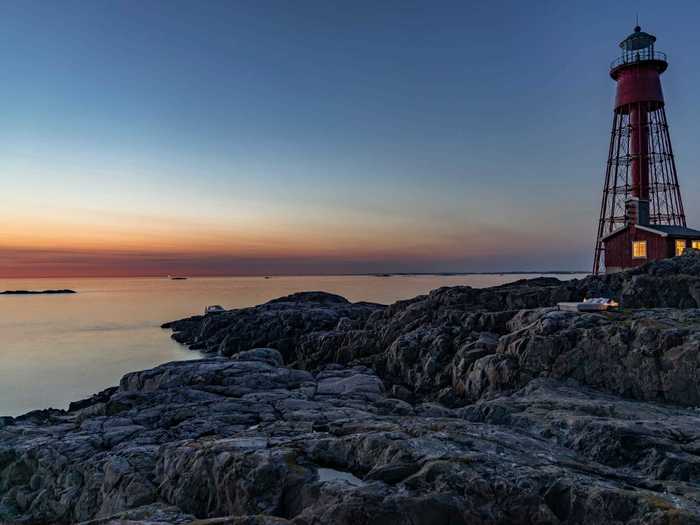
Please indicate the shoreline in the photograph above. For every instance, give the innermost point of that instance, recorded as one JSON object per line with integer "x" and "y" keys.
{"x": 309, "y": 407}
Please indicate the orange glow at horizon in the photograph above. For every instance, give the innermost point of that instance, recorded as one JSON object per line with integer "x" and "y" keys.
{"x": 94, "y": 244}
{"x": 247, "y": 236}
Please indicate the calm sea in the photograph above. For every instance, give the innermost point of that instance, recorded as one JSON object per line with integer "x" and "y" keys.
{"x": 56, "y": 349}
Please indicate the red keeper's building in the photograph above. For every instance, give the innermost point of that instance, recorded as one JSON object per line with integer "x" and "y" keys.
{"x": 638, "y": 243}
{"x": 642, "y": 216}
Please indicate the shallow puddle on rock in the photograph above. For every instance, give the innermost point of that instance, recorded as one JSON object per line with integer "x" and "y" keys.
{"x": 329, "y": 474}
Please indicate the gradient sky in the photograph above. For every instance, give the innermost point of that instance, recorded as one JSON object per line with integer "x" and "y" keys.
{"x": 261, "y": 137}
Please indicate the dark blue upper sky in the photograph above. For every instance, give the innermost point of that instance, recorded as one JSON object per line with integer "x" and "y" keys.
{"x": 323, "y": 136}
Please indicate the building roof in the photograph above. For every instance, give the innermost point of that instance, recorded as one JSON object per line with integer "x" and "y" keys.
{"x": 673, "y": 231}
{"x": 664, "y": 230}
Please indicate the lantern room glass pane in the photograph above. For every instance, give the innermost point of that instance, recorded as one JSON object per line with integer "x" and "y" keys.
{"x": 639, "y": 249}
{"x": 680, "y": 246}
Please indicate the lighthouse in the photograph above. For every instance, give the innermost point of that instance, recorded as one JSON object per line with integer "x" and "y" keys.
{"x": 641, "y": 214}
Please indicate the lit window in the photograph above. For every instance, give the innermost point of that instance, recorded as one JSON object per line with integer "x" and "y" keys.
{"x": 680, "y": 246}
{"x": 696, "y": 245}
{"x": 639, "y": 249}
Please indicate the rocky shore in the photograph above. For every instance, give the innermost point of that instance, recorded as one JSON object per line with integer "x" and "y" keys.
{"x": 463, "y": 406}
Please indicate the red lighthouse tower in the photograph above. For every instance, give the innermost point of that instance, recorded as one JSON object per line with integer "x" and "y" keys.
{"x": 641, "y": 215}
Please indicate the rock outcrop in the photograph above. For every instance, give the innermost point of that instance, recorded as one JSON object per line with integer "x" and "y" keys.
{"x": 458, "y": 344}
{"x": 249, "y": 441}
{"x": 279, "y": 323}
{"x": 462, "y": 406}
{"x": 647, "y": 354}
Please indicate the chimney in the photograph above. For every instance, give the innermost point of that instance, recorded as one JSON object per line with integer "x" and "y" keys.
{"x": 637, "y": 211}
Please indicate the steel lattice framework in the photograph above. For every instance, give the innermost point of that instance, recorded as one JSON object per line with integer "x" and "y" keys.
{"x": 640, "y": 159}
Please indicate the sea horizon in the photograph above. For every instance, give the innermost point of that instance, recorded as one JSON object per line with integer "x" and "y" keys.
{"x": 271, "y": 275}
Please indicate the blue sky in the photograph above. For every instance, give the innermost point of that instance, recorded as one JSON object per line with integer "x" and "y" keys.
{"x": 305, "y": 137}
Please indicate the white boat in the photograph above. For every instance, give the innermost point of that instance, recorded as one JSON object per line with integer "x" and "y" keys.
{"x": 596, "y": 304}
{"x": 214, "y": 309}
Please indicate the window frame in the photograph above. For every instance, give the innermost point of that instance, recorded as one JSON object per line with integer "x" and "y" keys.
{"x": 640, "y": 243}
{"x": 677, "y": 245}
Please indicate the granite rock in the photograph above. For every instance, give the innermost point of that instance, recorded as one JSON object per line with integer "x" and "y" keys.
{"x": 245, "y": 441}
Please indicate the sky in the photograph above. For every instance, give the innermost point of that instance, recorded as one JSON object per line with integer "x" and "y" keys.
{"x": 315, "y": 137}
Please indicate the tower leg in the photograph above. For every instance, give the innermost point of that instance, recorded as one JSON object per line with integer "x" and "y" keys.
{"x": 614, "y": 140}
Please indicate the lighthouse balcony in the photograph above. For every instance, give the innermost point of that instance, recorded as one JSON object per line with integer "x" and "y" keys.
{"x": 640, "y": 55}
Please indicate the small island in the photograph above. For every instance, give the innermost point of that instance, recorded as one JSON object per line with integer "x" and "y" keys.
{"x": 36, "y": 292}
